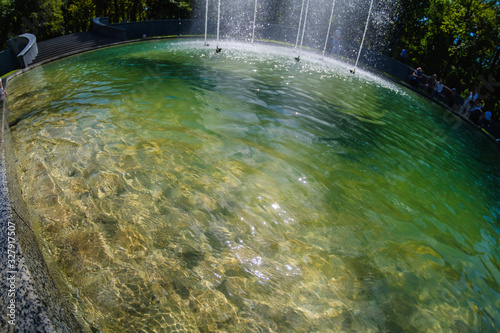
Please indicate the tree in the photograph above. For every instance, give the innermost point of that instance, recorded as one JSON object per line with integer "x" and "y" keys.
{"x": 43, "y": 18}
{"x": 6, "y": 10}
{"x": 78, "y": 15}
{"x": 458, "y": 40}
{"x": 405, "y": 28}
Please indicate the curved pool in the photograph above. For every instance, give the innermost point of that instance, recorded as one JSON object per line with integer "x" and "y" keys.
{"x": 175, "y": 188}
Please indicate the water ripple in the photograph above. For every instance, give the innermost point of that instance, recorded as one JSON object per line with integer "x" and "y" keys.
{"x": 241, "y": 191}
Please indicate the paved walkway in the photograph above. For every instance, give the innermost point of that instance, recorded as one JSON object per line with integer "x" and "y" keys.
{"x": 70, "y": 44}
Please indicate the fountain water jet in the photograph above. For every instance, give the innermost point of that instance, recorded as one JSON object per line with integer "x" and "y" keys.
{"x": 303, "y": 28}
{"x": 300, "y": 23}
{"x": 363, "y": 39}
{"x": 254, "y": 21}
{"x": 305, "y": 23}
{"x": 217, "y": 49}
{"x": 329, "y": 27}
{"x": 206, "y": 22}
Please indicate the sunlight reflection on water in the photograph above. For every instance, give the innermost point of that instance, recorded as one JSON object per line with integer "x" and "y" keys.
{"x": 176, "y": 188}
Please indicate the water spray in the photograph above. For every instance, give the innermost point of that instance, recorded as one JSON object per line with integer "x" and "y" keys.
{"x": 254, "y": 21}
{"x": 353, "y": 71}
{"x": 300, "y": 23}
{"x": 303, "y": 29}
{"x": 329, "y": 26}
{"x": 217, "y": 48}
{"x": 206, "y": 22}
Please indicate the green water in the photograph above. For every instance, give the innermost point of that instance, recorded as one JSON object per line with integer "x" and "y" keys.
{"x": 180, "y": 190}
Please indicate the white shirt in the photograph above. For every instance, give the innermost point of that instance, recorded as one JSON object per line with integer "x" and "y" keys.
{"x": 439, "y": 86}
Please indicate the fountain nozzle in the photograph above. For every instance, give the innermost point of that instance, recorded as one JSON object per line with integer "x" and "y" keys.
{"x": 218, "y": 49}
{"x": 297, "y": 58}
{"x": 353, "y": 71}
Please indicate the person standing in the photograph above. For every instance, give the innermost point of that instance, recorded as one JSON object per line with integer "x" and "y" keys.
{"x": 337, "y": 38}
{"x": 464, "y": 110}
{"x": 404, "y": 55}
{"x": 486, "y": 120}
{"x": 2, "y": 90}
{"x": 431, "y": 84}
{"x": 416, "y": 77}
{"x": 452, "y": 97}
{"x": 475, "y": 114}
{"x": 438, "y": 90}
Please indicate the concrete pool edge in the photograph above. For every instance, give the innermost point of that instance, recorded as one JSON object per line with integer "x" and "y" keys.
{"x": 31, "y": 300}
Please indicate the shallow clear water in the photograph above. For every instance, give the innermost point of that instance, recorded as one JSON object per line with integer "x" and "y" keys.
{"x": 179, "y": 189}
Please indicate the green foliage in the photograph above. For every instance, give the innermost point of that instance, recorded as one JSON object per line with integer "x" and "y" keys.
{"x": 78, "y": 15}
{"x": 5, "y": 14}
{"x": 50, "y": 18}
{"x": 43, "y": 18}
{"x": 458, "y": 40}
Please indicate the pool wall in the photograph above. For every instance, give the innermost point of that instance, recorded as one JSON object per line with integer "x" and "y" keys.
{"x": 31, "y": 301}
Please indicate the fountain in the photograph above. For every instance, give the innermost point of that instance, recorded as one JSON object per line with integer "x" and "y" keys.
{"x": 300, "y": 23}
{"x": 206, "y": 21}
{"x": 304, "y": 26}
{"x": 178, "y": 189}
{"x": 363, "y": 39}
{"x": 217, "y": 49}
{"x": 254, "y": 22}
{"x": 329, "y": 27}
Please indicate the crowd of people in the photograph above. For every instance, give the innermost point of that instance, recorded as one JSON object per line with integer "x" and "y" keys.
{"x": 471, "y": 109}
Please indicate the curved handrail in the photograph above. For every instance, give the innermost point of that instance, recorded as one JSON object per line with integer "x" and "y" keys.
{"x": 24, "y": 48}
{"x": 98, "y": 21}
{"x": 31, "y": 43}
{"x": 101, "y": 27}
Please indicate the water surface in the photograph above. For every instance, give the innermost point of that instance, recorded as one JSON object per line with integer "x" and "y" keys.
{"x": 179, "y": 189}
